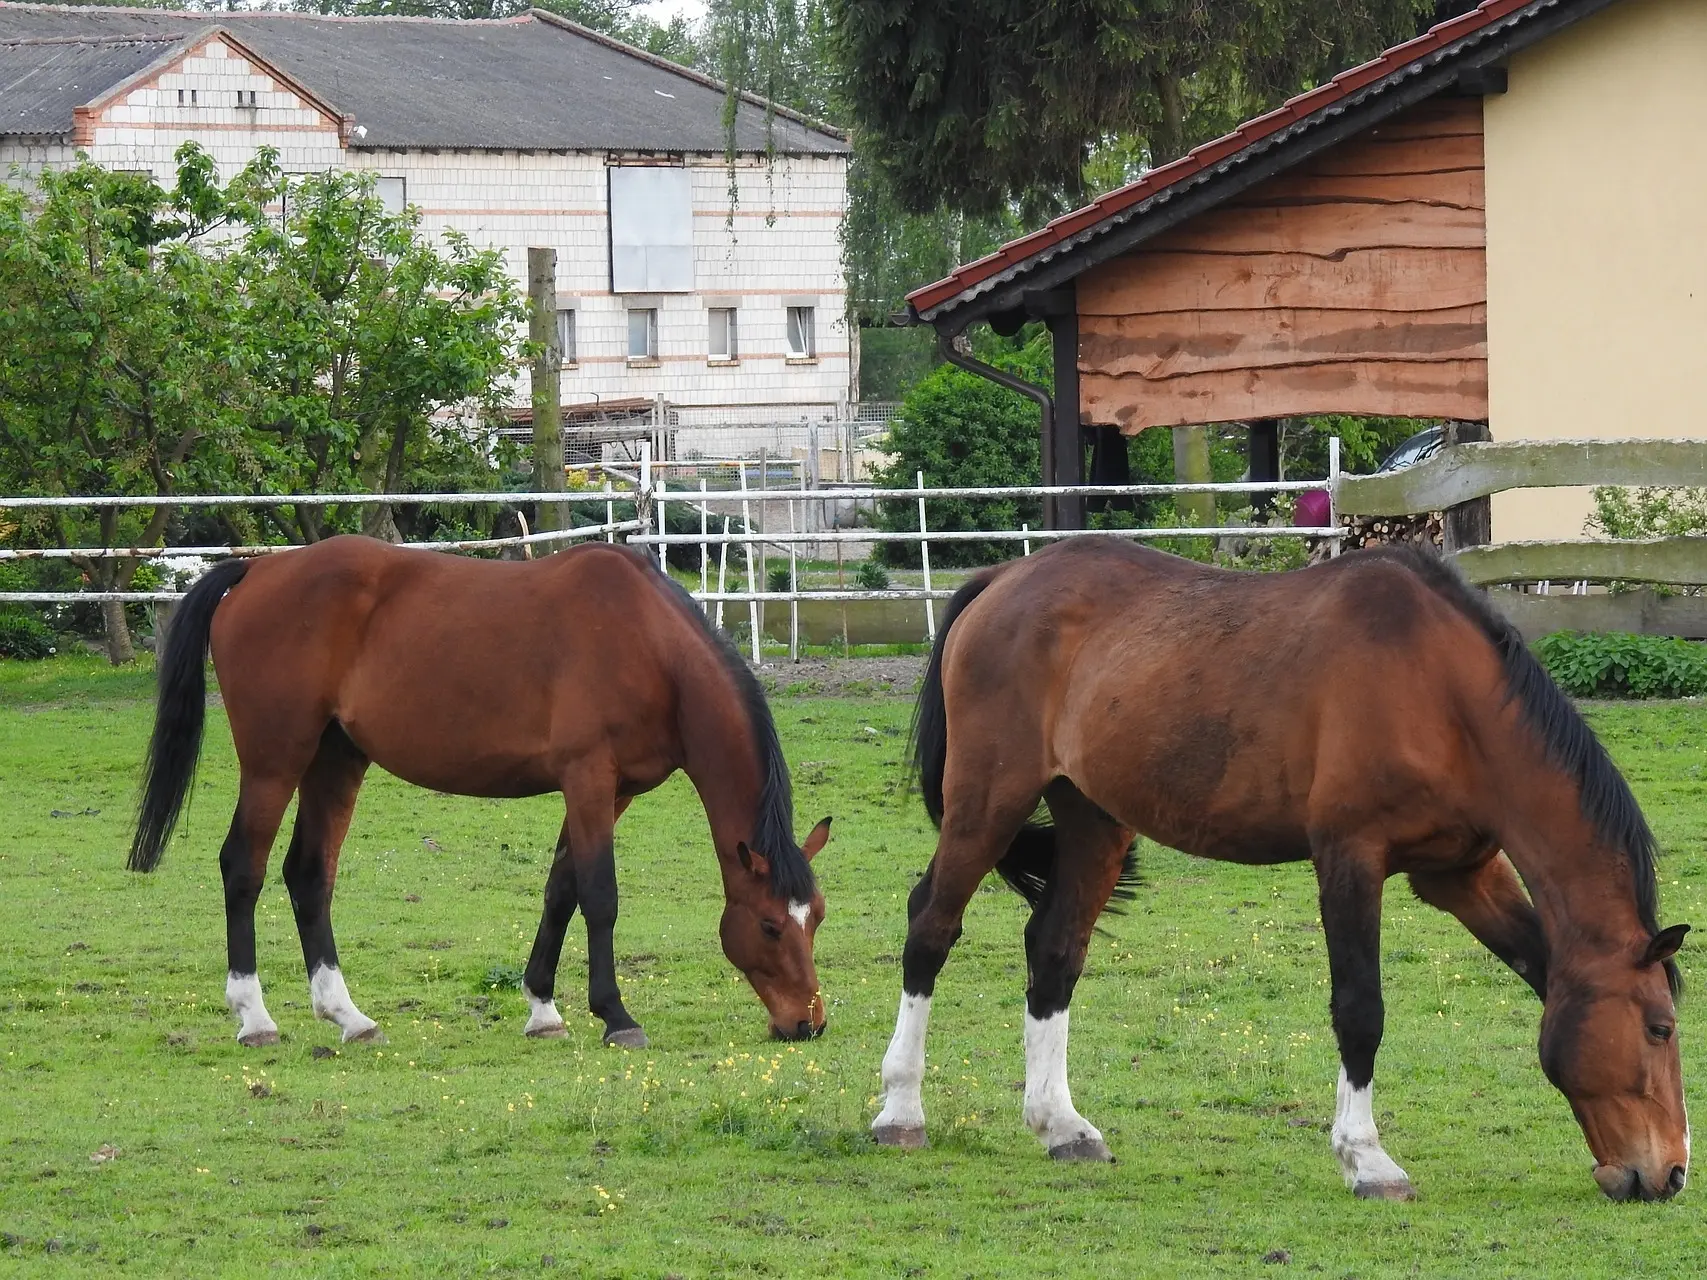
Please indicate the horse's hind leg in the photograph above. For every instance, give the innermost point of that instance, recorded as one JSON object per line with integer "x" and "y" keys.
{"x": 978, "y": 825}
{"x": 261, "y": 803}
{"x": 326, "y": 800}
{"x": 1090, "y": 851}
{"x": 589, "y": 823}
{"x": 1490, "y": 902}
{"x": 1350, "y": 875}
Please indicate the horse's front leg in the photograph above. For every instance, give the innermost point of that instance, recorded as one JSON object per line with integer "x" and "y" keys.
{"x": 539, "y": 982}
{"x": 590, "y": 825}
{"x": 1350, "y": 878}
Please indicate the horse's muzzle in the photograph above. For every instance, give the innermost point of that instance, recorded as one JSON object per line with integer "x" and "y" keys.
{"x": 803, "y": 1030}
{"x": 1620, "y": 1182}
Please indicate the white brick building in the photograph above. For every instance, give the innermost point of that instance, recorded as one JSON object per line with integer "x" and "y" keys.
{"x": 517, "y": 132}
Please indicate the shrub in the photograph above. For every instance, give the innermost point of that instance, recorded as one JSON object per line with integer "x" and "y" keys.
{"x": 872, "y": 576}
{"x": 964, "y": 431}
{"x": 1621, "y": 665}
{"x": 777, "y": 578}
{"x": 23, "y": 635}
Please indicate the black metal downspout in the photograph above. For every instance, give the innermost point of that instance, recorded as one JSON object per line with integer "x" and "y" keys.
{"x": 946, "y": 348}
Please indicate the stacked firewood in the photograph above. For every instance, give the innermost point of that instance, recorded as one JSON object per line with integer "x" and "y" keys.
{"x": 1375, "y": 531}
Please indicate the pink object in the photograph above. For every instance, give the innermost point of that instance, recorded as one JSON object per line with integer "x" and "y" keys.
{"x": 1311, "y": 511}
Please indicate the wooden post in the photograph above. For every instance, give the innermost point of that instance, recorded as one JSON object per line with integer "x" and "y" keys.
{"x": 1067, "y": 454}
{"x": 1263, "y": 455}
{"x": 547, "y": 384}
{"x": 1191, "y": 466}
{"x": 1469, "y": 524}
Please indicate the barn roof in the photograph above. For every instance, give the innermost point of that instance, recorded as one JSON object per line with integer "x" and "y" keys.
{"x": 1460, "y": 53}
{"x": 533, "y": 82}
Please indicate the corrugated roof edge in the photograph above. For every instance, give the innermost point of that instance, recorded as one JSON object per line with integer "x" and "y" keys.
{"x": 1295, "y": 116}
{"x": 710, "y": 82}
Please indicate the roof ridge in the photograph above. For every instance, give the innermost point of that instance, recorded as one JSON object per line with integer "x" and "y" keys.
{"x": 141, "y": 37}
{"x": 212, "y": 15}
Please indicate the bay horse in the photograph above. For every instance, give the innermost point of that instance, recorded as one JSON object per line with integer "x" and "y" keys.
{"x": 1372, "y": 714}
{"x": 588, "y": 672}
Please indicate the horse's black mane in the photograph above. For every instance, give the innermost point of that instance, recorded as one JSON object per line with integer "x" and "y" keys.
{"x": 1607, "y": 802}
{"x": 773, "y": 824}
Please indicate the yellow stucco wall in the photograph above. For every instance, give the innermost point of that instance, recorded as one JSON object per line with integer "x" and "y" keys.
{"x": 1597, "y": 242}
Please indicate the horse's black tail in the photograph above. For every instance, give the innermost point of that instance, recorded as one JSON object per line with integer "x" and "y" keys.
{"x": 180, "y": 709}
{"x": 1030, "y": 860}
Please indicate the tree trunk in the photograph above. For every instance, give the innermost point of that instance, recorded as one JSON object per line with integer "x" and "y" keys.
{"x": 119, "y": 650}
{"x": 1191, "y": 466}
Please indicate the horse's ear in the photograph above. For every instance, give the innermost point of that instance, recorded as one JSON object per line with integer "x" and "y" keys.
{"x": 757, "y": 863}
{"x": 816, "y": 839}
{"x": 1665, "y": 944}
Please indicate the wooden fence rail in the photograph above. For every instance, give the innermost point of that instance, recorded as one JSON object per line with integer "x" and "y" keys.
{"x": 1465, "y": 472}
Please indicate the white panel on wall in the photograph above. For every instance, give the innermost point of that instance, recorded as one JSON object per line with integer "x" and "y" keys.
{"x": 651, "y": 229}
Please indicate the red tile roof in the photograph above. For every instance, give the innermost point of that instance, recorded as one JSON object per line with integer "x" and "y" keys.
{"x": 1213, "y": 153}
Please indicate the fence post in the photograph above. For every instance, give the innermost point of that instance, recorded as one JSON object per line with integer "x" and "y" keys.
{"x": 704, "y": 546}
{"x": 546, "y": 380}
{"x": 663, "y": 526}
{"x": 1333, "y": 500}
{"x": 925, "y": 560}
{"x": 1026, "y": 528}
{"x": 793, "y": 591}
{"x": 752, "y": 605}
{"x": 722, "y": 571}
{"x": 610, "y": 513}
{"x": 1468, "y": 524}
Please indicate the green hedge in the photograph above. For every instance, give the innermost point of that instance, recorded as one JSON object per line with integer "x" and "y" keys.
{"x": 1618, "y": 664}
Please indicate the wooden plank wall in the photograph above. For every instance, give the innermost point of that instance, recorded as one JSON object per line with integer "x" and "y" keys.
{"x": 1356, "y": 283}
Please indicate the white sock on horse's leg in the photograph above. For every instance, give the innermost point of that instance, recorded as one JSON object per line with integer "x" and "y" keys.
{"x": 331, "y": 1000}
{"x": 255, "y": 1025}
{"x": 1369, "y": 1171}
{"x": 901, "y": 1122}
{"x": 1048, "y": 1110}
{"x": 543, "y": 1019}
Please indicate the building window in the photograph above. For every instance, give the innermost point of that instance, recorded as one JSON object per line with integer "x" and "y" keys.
{"x": 651, "y": 229}
{"x": 566, "y": 336}
{"x": 246, "y": 98}
{"x": 643, "y": 333}
{"x": 802, "y": 341}
{"x": 393, "y": 193}
{"x": 722, "y": 345}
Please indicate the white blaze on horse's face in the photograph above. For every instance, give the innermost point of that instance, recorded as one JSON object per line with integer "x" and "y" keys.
{"x": 798, "y": 912}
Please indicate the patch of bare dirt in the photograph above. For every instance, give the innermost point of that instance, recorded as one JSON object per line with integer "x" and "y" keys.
{"x": 844, "y": 677}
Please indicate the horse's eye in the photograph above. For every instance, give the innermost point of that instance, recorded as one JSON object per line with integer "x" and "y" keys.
{"x": 1660, "y": 1031}
{"x": 771, "y": 928}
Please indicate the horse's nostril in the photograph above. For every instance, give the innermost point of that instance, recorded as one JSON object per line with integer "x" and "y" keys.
{"x": 1675, "y": 1182}
{"x": 803, "y": 1031}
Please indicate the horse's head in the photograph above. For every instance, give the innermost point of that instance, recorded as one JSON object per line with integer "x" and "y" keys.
{"x": 769, "y": 938}
{"x": 1609, "y": 1042}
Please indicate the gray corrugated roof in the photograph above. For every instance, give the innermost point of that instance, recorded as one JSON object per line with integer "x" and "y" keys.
{"x": 41, "y": 80}
{"x": 520, "y": 82}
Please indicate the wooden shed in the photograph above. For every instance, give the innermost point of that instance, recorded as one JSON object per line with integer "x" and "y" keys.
{"x": 1497, "y": 222}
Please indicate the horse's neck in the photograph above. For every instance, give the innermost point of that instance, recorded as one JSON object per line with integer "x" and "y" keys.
{"x": 719, "y": 753}
{"x": 1582, "y": 889}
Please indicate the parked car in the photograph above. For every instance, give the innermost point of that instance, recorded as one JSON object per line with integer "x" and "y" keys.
{"x": 1312, "y": 508}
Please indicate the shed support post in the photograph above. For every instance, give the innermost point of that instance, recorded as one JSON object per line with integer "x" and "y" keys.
{"x": 1263, "y": 455}
{"x": 1068, "y": 452}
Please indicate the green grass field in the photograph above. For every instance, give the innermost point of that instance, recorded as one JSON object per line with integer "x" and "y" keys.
{"x": 1201, "y": 1048}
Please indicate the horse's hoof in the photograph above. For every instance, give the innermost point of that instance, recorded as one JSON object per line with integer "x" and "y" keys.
{"x": 1083, "y": 1149}
{"x": 1391, "y": 1190}
{"x": 909, "y": 1137}
{"x": 551, "y": 1031}
{"x": 256, "y": 1039}
{"x": 627, "y": 1038}
{"x": 373, "y": 1035}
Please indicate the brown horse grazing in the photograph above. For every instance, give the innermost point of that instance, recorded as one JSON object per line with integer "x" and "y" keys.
{"x": 588, "y": 672}
{"x": 1372, "y": 714}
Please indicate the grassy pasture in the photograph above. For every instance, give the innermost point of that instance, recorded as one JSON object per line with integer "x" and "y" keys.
{"x": 1201, "y": 1048}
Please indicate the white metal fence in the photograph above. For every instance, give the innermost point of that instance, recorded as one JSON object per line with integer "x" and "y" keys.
{"x": 726, "y": 518}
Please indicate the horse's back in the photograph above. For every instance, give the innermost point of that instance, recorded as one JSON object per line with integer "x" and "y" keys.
{"x": 454, "y": 673}
{"x": 1204, "y": 706}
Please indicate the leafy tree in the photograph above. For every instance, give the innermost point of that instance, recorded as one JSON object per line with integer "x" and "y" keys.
{"x": 979, "y": 103}
{"x": 381, "y": 357}
{"x": 123, "y": 367}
